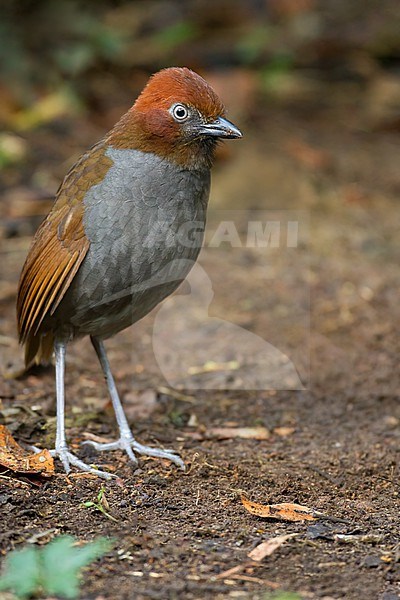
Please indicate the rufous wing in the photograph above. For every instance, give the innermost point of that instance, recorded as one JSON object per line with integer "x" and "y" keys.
{"x": 58, "y": 249}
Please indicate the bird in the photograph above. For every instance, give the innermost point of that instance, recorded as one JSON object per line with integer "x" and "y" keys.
{"x": 115, "y": 242}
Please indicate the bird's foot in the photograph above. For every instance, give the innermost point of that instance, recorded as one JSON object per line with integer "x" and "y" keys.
{"x": 128, "y": 443}
{"x": 68, "y": 459}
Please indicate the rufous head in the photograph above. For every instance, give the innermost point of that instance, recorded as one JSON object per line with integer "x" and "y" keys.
{"x": 177, "y": 116}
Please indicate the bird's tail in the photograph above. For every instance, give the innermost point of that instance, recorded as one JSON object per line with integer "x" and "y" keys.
{"x": 38, "y": 349}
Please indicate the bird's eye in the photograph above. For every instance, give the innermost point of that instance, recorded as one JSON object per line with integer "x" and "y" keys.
{"x": 180, "y": 112}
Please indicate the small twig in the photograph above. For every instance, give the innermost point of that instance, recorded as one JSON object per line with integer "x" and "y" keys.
{"x": 325, "y": 475}
{"x": 323, "y": 517}
{"x": 15, "y": 481}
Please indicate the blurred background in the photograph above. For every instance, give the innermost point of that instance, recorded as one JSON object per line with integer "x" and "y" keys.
{"x": 69, "y": 69}
{"x": 313, "y": 84}
{"x": 315, "y": 87}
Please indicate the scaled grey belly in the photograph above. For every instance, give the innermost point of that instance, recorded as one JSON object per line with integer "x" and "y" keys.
{"x": 145, "y": 234}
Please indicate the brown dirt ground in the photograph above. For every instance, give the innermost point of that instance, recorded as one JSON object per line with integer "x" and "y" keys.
{"x": 176, "y": 533}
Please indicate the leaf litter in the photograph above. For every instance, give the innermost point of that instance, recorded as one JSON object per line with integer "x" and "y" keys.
{"x": 285, "y": 511}
{"x": 15, "y": 458}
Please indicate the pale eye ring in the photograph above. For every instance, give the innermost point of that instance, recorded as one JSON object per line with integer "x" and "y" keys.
{"x": 180, "y": 112}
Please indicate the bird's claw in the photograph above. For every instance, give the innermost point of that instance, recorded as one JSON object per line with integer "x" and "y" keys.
{"x": 130, "y": 446}
{"x": 68, "y": 459}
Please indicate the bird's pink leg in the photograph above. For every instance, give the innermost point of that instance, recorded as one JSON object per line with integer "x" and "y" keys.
{"x": 126, "y": 440}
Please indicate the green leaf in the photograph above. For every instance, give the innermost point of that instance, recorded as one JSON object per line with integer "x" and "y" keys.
{"x": 62, "y": 562}
{"x": 253, "y": 43}
{"x": 75, "y": 58}
{"x": 173, "y": 35}
{"x": 21, "y": 572}
{"x": 277, "y": 71}
{"x": 53, "y": 569}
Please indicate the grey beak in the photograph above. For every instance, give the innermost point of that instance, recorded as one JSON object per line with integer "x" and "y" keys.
{"x": 221, "y": 128}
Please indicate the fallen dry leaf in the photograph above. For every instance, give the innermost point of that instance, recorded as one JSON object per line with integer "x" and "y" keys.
{"x": 229, "y": 433}
{"x": 284, "y": 431}
{"x": 283, "y": 512}
{"x": 211, "y": 366}
{"x": 269, "y": 546}
{"x": 248, "y": 433}
{"x": 15, "y": 458}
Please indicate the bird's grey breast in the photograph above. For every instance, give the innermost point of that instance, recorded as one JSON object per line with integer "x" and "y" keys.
{"x": 145, "y": 223}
